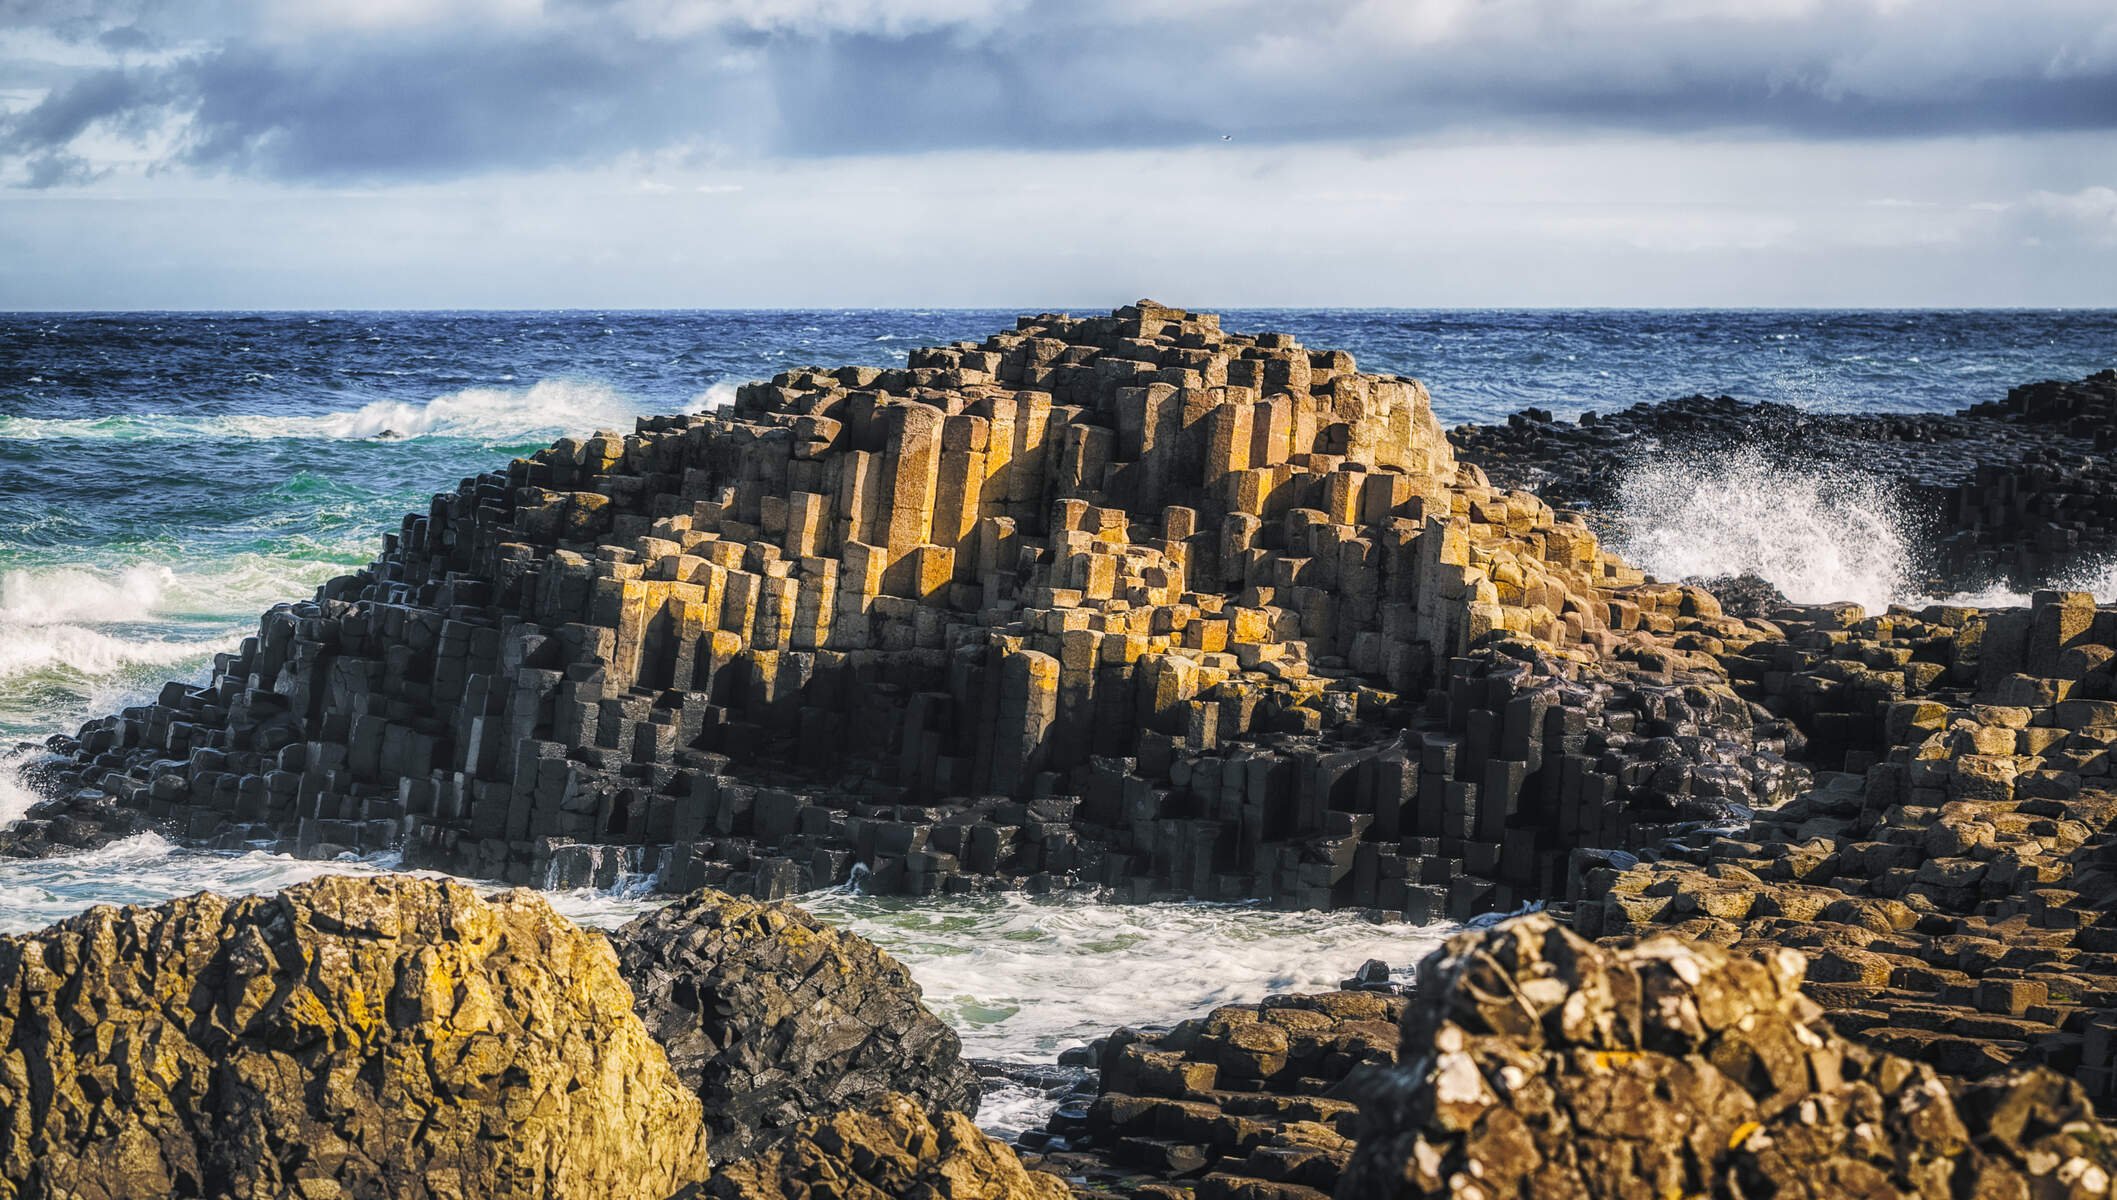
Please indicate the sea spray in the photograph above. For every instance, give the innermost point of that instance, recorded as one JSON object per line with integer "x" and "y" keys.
{"x": 489, "y": 415}
{"x": 74, "y": 594}
{"x": 15, "y": 796}
{"x": 1818, "y": 535}
{"x": 77, "y": 640}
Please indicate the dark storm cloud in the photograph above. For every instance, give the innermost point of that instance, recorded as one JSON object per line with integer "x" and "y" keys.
{"x": 436, "y": 110}
{"x": 440, "y": 90}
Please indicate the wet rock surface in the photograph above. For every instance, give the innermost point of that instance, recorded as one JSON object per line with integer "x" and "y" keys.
{"x": 1538, "y": 1064}
{"x": 1248, "y": 1100}
{"x": 894, "y": 1150}
{"x": 771, "y": 1017}
{"x": 389, "y": 1037}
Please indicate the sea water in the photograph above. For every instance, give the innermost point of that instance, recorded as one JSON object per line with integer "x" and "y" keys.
{"x": 165, "y": 477}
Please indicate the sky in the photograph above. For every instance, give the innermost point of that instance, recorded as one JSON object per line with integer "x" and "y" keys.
{"x": 827, "y": 153}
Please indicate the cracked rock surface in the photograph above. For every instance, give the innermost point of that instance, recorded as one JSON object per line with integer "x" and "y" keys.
{"x": 382, "y": 1037}
{"x": 1536, "y": 1063}
{"x": 771, "y": 1016}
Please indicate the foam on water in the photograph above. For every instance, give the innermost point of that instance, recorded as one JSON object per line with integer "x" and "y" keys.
{"x": 75, "y": 652}
{"x": 14, "y": 799}
{"x": 1020, "y": 978}
{"x": 69, "y": 594}
{"x": 77, "y": 638}
{"x": 490, "y": 415}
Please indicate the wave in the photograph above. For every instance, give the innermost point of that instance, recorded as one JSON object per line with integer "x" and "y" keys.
{"x": 548, "y": 408}
{"x": 15, "y": 798}
{"x": 1819, "y": 536}
{"x": 76, "y": 641}
{"x": 79, "y": 652}
{"x": 2097, "y": 579}
{"x": 990, "y": 964}
{"x": 229, "y": 587}
{"x": 71, "y": 594}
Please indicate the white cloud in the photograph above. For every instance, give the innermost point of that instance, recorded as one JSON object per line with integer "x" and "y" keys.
{"x": 1616, "y": 221}
{"x": 2089, "y": 214}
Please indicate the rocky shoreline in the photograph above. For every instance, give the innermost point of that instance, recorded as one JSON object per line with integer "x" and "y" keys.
{"x": 1134, "y": 603}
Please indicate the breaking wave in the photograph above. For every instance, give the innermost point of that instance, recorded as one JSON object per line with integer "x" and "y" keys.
{"x": 549, "y": 408}
{"x": 1819, "y": 535}
{"x": 78, "y": 651}
{"x": 74, "y": 636}
{"x": 72, "y": 594}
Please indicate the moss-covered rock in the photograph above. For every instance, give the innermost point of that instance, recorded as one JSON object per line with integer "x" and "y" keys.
{"x": 373, "y": 1037}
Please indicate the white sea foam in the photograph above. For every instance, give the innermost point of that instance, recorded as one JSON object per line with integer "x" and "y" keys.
{"x": 1024, "y": 977}
{"x": 1019, "y": 977}
{"x": 68, "y": 594}
{"x": 718, "y": 396}
{"x": 15, "y": 799}
{"x": 78, "y": 651}
{"x": 2099, "y": 579}
{"x": 550, "y": 407}
{"x": 82, "y": 623}
{"x": 488, "y": 414}
{"x": 1818, "y": 535}
{"x": 148, "y": 869}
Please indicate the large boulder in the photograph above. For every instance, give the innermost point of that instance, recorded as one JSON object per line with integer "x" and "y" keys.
{"x": 1538, "y": 1064}
{"x": 771, "y": 1016}
{"x": 893, "y": 1150}
{"x": 375, "y": 1037}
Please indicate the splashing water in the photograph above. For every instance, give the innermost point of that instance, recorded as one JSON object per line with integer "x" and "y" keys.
{"x": 1818, "y": 536}
{"x": 491, "y": 415}
{"x": 1018, "y": 977}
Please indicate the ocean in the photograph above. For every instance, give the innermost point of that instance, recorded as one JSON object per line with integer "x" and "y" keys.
{"x": 164, "y": 477}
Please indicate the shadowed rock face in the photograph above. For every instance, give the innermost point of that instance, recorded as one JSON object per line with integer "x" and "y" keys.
{"x": 391, "y": 1037}
{"x": 1538, "y": 1064}
{"x": 772, "y": 1016}
{"x": 894, "y": 1150}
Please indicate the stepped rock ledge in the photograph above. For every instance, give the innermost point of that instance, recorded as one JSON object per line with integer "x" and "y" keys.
{"x": 1135, "y": 603}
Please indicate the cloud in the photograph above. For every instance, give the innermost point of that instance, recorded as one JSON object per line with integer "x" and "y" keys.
{"x": 339, "y": 91}
{"x": 2088, "y": 215}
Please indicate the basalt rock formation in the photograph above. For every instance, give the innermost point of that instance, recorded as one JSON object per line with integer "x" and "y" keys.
{"x": 390, "y": 1037}
{"x": 1953, "y": 873}
{"x": 1249, "y": 1102}
{"x": 1538, "y": 1064}
{"x": 893, "y": 1150}
{"x": 1135, "y": 602}
{"x": 1127, "y": 601}
{"x": 771, "y": 1016}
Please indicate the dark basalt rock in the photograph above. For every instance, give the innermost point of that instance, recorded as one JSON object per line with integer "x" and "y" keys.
{"x": 1245, "y": 1103}
{"x": 380, "y": 1037}
{"x": 894, "y": 1150}
{"x": 1744, "y": 595}
{"x": 772, "y": 1016}
{"x": 1538, "y": 1064}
